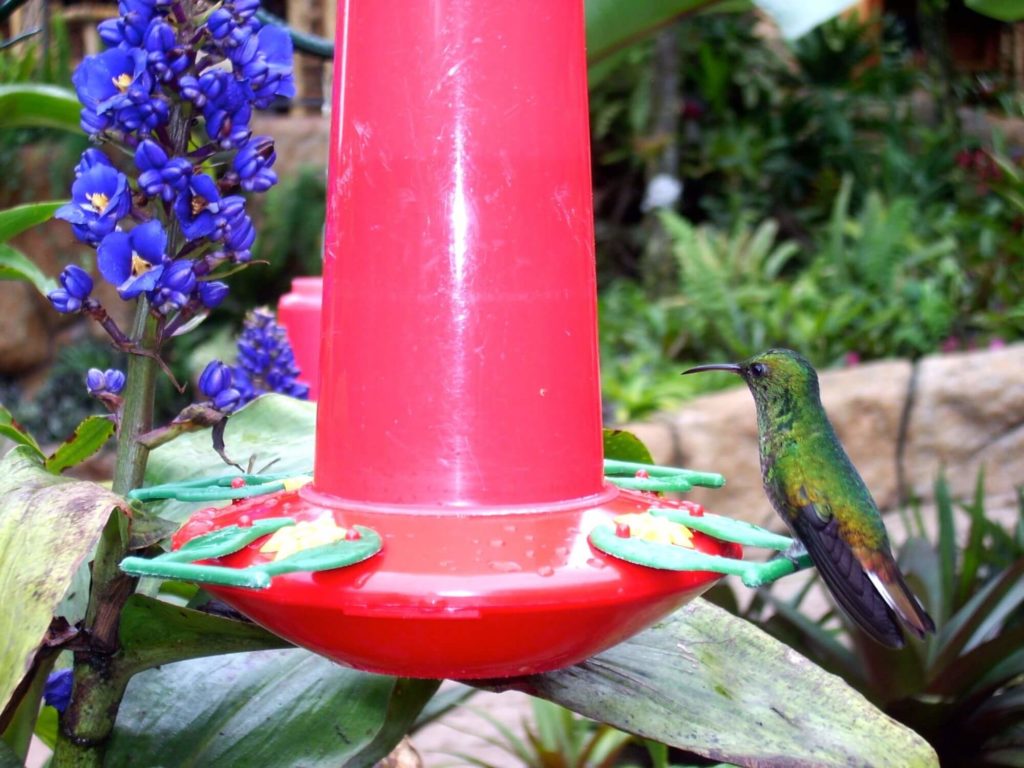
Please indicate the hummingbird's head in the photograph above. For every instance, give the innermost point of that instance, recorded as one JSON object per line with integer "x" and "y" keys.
{"x": 773, "y": 375}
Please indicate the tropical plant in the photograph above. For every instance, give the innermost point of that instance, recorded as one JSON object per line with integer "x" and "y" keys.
{"x": 960, "y": 688}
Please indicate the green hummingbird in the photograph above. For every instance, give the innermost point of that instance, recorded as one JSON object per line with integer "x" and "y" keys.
{"x": 814, "y": 486}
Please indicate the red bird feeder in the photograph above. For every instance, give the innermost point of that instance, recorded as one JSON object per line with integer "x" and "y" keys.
{"x": 459, "y": 404}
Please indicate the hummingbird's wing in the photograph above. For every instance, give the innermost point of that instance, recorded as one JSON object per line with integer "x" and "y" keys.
{"x": 831, "y": 512}
{"x": 844, "y": 575}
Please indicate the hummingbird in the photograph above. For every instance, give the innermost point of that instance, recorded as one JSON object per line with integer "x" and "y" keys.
{"x": 817, "y": 491}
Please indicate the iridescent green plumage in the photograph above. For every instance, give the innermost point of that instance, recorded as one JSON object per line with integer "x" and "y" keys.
{"x": 812, "y": 484}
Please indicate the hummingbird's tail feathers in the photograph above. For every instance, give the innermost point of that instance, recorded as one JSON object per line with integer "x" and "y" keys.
{"x": 846, "y": 578}
{"x": 894, "y": 590}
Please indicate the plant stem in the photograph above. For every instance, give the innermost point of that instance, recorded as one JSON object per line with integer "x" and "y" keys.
{"x": 87, "y": 723}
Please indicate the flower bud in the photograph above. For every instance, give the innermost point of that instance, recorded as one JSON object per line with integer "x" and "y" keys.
{"x": 76, "y": 281}
{"x": 212, "y": 293}
{"x": 215, "y": 378}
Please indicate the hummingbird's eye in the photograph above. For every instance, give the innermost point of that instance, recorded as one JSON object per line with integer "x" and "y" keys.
{"x": 757, "y": 370}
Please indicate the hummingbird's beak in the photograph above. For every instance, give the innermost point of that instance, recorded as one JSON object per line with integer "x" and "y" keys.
{"x": 731, "y": 367}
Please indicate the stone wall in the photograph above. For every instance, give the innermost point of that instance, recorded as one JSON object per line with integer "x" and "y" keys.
{"x": 900, "y": 422}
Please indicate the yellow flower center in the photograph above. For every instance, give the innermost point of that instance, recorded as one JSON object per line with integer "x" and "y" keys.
{"x": 98, "y": 200}
{"x": 139, "y": 265}
{"x": 304, "y": 535}
{"x": 122, "y": 82}
{"x": 658, "y": 530}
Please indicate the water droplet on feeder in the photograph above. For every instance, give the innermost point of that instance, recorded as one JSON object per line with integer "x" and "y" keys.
{"x": 238, "y": 482}
{"x": 505, "y": 566}
{"x": 353, "y": 535}
{"x": 528, "y": 537}
{"x": 546, "y": 570}
{"x": 497, "y": 543}
{"x": 529, "y": 553}
{"x": 622, "y": 530}
{"x": 594, "y": 562}
{"x": 509, "y": 528}
{"x": 643, "y": 474}
{"x": 562, "y": 551}
{"x": 244, "y": 520}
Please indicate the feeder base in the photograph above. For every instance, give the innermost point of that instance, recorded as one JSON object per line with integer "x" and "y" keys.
{"x": 457, "y": 594}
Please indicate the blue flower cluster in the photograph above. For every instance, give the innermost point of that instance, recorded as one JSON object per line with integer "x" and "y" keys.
{"x": 266, "y": 363}
{"x": 178, "y": 92}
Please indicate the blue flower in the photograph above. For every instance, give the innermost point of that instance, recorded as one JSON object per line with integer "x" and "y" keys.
{"x": 253, "y": 162}
{"x": 112, "y": 79}
{"x": 220, "y": 23}
{"x": 175, "y": 287}
{"x": 198, "y": 206}
{"x": 228, "y": 111}
{"x": 216, "y": 382}
{"x": 276, "y": 48}
{"x": 57, "y": 690}
{"x": 129, "y": 30}
{"x": 161, "y": 176}
{"x": 90, "y": 158}
{"x": 134, "y": 261}
{"x": 166, "y": 57}
{"x": 76, "y": 285}
{"x": 108, "y": 382}
{"x": 100, "y": 197}
{"x": 212, "y": 293}
{"x": 266, "y": 361}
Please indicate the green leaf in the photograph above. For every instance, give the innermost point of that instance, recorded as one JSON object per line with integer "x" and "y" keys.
{"x": 14, "y": 265}
{"x": 625, "y": 446}
{"x": 12, "y": 430}
{"x": 154, "y": 632}
{"x": 91, "y": 435}
{"x": 1003, "y": 10}
{"x": 14, "y": 221}
{"x": 48, "y": 526}
{"x": 407, "y": 700}
{"x": 39, "y": 106}
{"x": 713, "y": 684}
{"x": 613, "y": 24}
{"x": 286, "y": 709}
{"x": 7, "y": 757}
{"x": 276, "y": 430}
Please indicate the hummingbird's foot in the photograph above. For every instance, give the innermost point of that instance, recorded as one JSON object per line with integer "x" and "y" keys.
{"x": 796, "y": 554}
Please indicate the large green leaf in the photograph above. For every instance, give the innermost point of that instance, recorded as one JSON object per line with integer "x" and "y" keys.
{"x": 708, "y": 682}
{"x": 268, "y": 708}
{"x": 7, "y": 757}
{"x": 89, "y": 436}
{"x": 15, "y": 265}
{"x": 48, "y": 526}
{"x": 1004, "y": 10}
{"x": 273, "y": 430}
{"x": 39, "y": 106}
{"x": 153, "y": 632}
{"x": 14, "y": 221}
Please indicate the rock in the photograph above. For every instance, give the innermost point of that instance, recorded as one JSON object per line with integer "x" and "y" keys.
{"x": 24, "y": 337}
{"x": 718, "y": 433}
{"x": 402, "y": 756}
{"x": 968, "y": 413}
